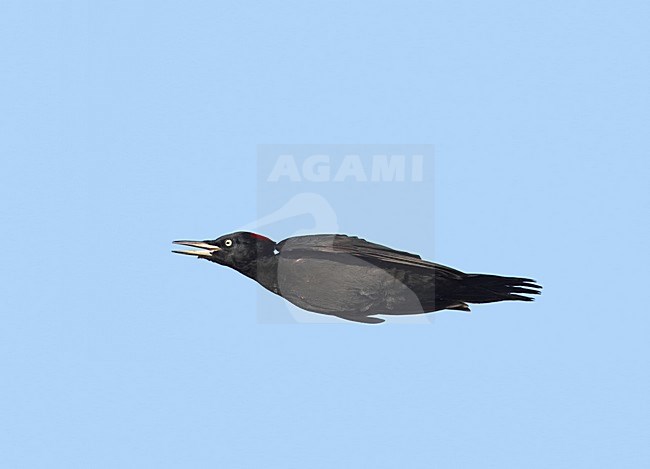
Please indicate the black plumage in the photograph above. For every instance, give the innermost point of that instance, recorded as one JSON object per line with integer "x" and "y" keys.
{"x": 354, "y": 279}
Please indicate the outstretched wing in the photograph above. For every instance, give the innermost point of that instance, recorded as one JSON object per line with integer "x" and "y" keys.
{"x": 336, "y": 244}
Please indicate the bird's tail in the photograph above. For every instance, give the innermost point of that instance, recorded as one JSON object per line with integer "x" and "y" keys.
{"x": 481, "y": 288}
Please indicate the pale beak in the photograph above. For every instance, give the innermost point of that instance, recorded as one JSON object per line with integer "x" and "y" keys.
{"x": 205, "y": 249}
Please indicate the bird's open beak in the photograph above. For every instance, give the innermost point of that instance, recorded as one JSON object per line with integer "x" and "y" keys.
{"x": 205, "y": 249}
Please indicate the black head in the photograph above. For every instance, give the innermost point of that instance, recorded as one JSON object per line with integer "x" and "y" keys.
{"x": 238, "y": 250}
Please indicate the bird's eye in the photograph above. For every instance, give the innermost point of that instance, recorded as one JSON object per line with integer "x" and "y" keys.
{"x": 228, "y": 243}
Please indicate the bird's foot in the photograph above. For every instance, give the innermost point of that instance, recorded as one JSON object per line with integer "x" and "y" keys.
{"x": 362, "y": 319}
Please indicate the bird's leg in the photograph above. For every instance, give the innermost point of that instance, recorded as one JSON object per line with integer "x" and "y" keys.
{"x": 362, "y": 319}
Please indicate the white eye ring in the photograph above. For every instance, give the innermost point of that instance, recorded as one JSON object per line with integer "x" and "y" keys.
{"x": 228, "y": 243}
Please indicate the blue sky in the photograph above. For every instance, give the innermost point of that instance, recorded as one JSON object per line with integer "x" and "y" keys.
{"x": 126, "y": 125}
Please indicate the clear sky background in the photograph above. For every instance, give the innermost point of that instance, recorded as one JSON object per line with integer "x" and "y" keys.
{"x": 127, "y": 124}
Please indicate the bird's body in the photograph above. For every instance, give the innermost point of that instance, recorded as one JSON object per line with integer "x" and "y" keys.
{"x": 354, "y": 279}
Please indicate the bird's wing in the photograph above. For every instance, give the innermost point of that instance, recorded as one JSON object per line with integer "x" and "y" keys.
{"x": 331, "y": 244}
